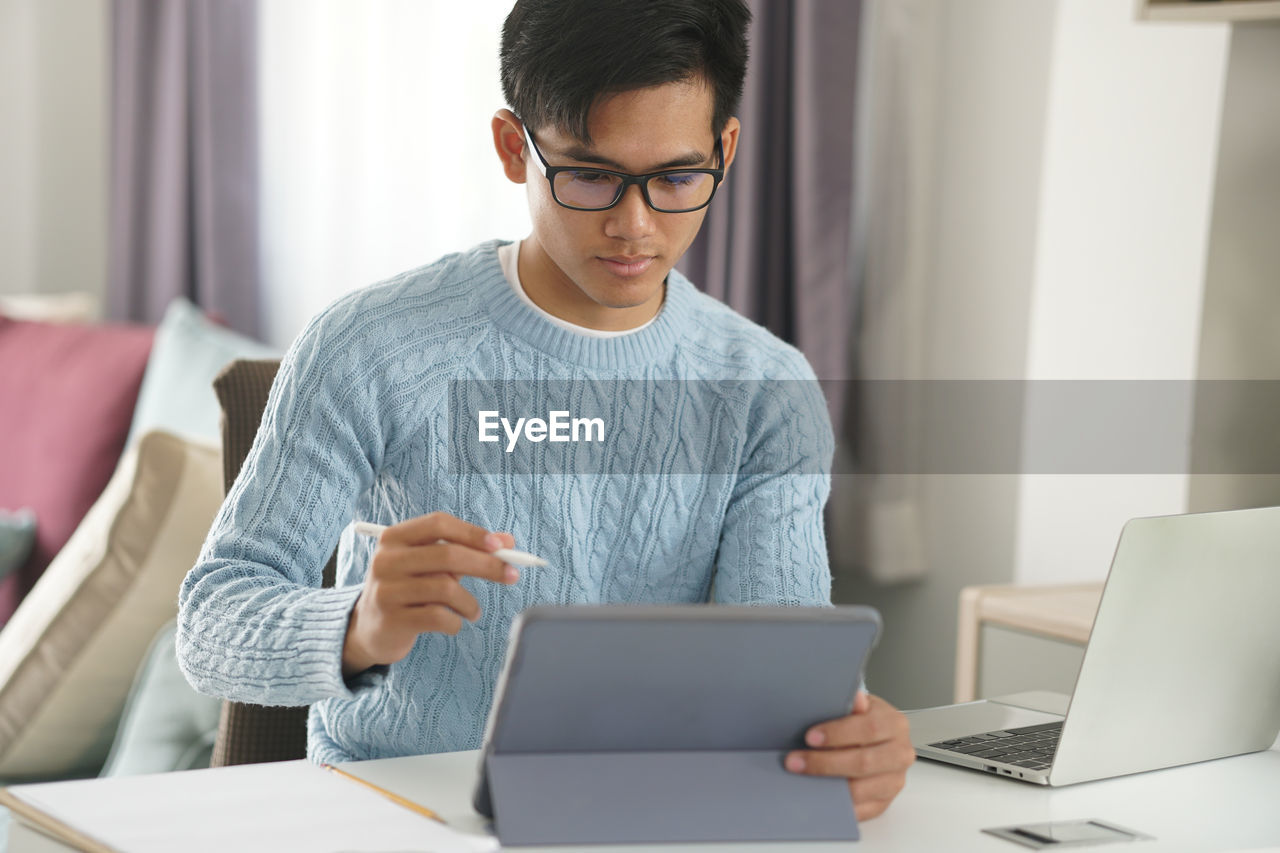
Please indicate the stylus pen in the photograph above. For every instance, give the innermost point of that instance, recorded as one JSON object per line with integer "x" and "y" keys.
{"x": 506, "y": 555}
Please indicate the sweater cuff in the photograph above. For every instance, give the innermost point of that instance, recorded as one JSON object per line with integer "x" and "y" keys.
{"x": 299, "y": 664}
{"x": 322, "y": 651}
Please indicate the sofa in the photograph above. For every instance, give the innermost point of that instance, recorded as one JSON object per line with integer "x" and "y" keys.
{"x": 110, "y": 475}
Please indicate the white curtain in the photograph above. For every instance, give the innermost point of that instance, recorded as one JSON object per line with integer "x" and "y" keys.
{"x": 376, "y": 153}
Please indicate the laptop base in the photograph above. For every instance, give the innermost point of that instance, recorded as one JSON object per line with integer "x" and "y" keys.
{"x": 949, "y": 722}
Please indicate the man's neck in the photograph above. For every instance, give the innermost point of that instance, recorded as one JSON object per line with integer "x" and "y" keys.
{"x": 552, "y": 291}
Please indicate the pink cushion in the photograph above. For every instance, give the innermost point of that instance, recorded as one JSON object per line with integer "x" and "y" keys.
{"x": 67, "y": 394}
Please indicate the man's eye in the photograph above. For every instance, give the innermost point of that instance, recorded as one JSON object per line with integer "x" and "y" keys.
{"x": 590, "y": 178}
{"x": 679, "y": 180}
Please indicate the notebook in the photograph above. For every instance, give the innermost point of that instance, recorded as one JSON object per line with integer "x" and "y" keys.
{"x": 287, "y": 805}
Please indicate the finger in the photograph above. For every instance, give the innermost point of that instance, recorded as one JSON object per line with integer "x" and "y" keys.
{"x": 868, "y": 810}
{"x": 873, "y": 789}
{"x": 433, "y": 589}
{"x": 447, "y": 557}
{"x": 853, "y": 762}
{"x": 862, "y": 702}
{"x": 433, "y": 617}
{"x": 881, "y": 722}
{"x": 430, "y": 528}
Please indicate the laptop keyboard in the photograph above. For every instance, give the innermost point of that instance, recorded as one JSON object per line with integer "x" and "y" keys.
{"x": 1030, "y": 746}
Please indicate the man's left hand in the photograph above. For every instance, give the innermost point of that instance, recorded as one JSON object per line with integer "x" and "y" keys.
{"x": 871, "y": 748}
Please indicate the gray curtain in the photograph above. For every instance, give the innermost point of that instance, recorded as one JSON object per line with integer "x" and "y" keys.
{"x": 776, "y": 242}
{"x": 184, "y": 184}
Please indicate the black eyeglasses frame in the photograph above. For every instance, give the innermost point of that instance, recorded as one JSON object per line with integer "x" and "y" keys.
{"x": 642, "y": 181}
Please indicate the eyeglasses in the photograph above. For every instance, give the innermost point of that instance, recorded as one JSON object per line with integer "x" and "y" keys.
{"x": 668, "y": 191}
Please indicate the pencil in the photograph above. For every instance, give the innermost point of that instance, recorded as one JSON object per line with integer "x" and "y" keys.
{"x": 395, "y": 798}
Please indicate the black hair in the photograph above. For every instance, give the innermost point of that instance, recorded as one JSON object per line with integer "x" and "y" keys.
{"x": 559, "y": 57}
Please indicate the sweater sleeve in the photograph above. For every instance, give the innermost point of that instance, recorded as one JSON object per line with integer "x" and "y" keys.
{"x": 253, "y": 623}
{"x": 773, "y": 548}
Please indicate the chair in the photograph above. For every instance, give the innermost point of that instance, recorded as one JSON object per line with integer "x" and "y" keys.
{"x": 250, "y": 734}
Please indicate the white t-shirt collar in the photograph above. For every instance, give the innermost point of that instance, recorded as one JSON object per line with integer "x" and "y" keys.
{"x": 508, "y": 256}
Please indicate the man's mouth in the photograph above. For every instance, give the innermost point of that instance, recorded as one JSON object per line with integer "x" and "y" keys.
{"x": 627, "y": 266}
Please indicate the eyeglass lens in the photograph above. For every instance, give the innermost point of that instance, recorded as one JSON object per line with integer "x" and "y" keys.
{"x": 674, "y": 191}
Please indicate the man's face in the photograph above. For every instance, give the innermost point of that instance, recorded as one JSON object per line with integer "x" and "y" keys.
{"x": 605, "y": 269}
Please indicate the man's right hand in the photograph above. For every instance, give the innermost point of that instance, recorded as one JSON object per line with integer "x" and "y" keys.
{"x": 413, "y": 586}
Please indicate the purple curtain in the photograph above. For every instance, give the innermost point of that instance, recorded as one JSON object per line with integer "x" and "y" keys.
{"x": 776, "y": 242}
{"x": 184, "y": 183}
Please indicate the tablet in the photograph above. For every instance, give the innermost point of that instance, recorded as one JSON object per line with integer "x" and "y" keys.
{"x": 669, "y": 682}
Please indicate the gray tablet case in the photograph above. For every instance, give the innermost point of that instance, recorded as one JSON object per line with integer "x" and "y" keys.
{"x": 619, "y": 724}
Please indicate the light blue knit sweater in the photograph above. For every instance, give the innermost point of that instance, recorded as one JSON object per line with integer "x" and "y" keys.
{"x": 358, "y": 426}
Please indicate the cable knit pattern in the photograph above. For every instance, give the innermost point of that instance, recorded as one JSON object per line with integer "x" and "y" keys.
{"x": 357, "y": 427}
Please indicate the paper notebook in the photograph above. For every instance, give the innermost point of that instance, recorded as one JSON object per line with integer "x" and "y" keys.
{"x": 291, "y": 805}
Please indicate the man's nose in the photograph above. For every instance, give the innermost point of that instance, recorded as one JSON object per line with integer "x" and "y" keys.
{"x": 632, "y": 217}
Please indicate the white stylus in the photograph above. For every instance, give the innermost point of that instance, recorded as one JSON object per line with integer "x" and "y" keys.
{"x": 506, "y": 555}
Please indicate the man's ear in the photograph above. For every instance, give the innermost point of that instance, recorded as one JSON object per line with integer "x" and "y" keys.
{"x": 729, "y": 140}
{"x": 508, "y": 141}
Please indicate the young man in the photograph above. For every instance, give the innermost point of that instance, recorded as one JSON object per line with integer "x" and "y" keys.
{"x": 621, "y": 126}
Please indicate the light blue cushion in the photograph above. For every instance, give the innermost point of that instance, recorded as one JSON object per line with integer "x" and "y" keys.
{"x": 177, "y": 388}
{"x": 166, "y": 724}
{"x": 17, "y": 536}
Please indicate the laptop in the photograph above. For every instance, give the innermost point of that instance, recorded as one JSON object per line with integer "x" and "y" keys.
{"x": 1182, "y": 665}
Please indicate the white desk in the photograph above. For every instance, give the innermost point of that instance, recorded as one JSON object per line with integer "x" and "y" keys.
{"x": 1230, "y": 804}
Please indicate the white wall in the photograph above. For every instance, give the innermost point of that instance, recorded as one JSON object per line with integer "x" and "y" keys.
{"x": 1068, "y": 214}
{"x": 376, "y": 152}
{"x": 1129, "y": 163}
{"x": 17, "y": 128}
{"x": 53, "y": 145}
{"x": 980, "y": 80}
{"x": 1242, "y": 299}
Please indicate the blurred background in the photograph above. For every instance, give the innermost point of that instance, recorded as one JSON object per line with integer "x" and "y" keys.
{"x": 1024, "y": 191}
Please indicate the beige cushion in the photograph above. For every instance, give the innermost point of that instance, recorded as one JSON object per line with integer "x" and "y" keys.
{"x": 69, "y": 654}
{"x": 74, "y": 307}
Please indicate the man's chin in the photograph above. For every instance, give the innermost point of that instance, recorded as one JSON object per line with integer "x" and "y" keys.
{"x": 634, "y": 295}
